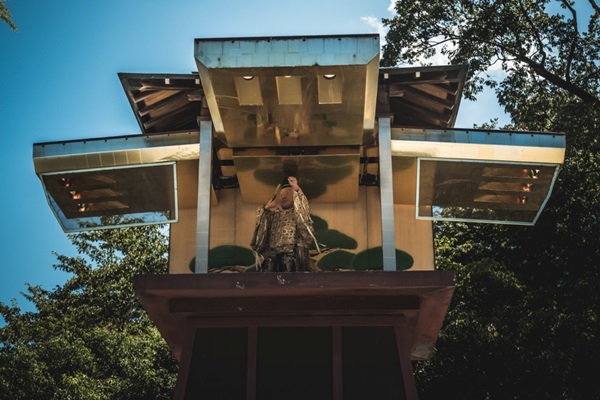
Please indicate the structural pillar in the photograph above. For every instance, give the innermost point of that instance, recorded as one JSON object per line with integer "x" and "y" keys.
{"x": 203, "y": 207}
{"x": 388, "y": 240}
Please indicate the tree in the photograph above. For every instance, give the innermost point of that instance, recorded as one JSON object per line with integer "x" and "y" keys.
{"x": 5, "y": 16}
{"x": 525, "y": 318}
{"x": 520, "y": 35}
{"x": 90, "y": 338}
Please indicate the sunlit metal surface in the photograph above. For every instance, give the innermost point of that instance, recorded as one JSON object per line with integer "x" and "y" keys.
{"x": 387, "y": 196}
{"x": 475, "y": 175}
{"x": 404, "y": 175}
{"x": 116, "y": 181}
{"x": 482, "y": 191}
{"x": 479, "y": 145}
{"x": 115, "y": 151}
{"x": 415, "y": 96}
{"x": 204, "y": 194}
{"x": 329, "y": 100}
{"x": 112, "y": 197}
{"x": 324, "y": 174}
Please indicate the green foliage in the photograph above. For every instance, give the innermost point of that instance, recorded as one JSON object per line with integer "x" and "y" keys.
{"x": 538, "y": 49}
{"x": 335, "y": 259}
{"x": 228, "y": 255}
{"x": 524, "y": 321}
{"x": 319, "y": 223}
{"x": 90, "y": 338}
{"x": 333, "y": 239}
{"x": 372, "y": 258}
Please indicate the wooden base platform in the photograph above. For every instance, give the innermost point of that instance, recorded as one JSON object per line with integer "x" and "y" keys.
{"x": 298, "y": 335}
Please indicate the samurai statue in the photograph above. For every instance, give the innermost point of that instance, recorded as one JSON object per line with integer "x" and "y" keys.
{"x": 284, "y": 230}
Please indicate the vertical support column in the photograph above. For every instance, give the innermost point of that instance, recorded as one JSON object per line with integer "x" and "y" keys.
{"x": 185, "y": 363}
{"x": 403, "y": 344}
{"x": 388, "y": 240}
{"x": 203, "y": 210}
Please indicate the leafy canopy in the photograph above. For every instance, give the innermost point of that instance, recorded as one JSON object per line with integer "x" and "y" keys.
{"x": 90, "y": 338}
{"x": 537, "y": 42}
{"x": 525, "y": 318}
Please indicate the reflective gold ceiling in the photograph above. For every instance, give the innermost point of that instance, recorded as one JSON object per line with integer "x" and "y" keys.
{"x": 326, "y": 174}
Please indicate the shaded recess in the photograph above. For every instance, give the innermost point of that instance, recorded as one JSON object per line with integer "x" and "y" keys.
{"x": 164, "y": 102}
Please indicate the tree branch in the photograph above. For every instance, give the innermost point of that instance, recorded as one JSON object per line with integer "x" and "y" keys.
{"x": 534, "y": 29}
{"x": 6, "y": 17}
{"x": 591, "y": 75}
{"x": 595, "y": 6}
{"x": 435, "y": 44}
{"x": 574, "y": 42}
{"x": 549, "y": 76}
{"x": 560, "y": 82}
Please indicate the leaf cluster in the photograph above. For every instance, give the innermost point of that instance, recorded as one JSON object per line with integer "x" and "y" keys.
{"x": 90, "y": 338}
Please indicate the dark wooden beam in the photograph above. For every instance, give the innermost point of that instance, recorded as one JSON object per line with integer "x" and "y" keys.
{"x": 403, "y": 345}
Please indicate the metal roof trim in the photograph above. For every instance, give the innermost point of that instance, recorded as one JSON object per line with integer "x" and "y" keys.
{"x": 115, "y": 151}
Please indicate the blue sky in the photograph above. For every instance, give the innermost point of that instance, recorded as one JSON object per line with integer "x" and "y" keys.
{"x": 58, "y": 81}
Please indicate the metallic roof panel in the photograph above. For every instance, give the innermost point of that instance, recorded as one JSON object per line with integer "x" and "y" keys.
{"x": 475, "y": 175}
{"x": 115, "y": 151}
{"x": 479, "y": 145}
{"x": 333, "y": 96}
{"x": 481, "y": 191}
{"x": 290, "y": 51}
{"x": 100, "y": 198}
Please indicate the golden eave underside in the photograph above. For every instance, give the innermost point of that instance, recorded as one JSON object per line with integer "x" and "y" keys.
{"x": 417, "y": 97}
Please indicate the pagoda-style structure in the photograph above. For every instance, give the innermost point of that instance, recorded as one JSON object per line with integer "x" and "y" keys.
{"x": 375, "y": 151}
